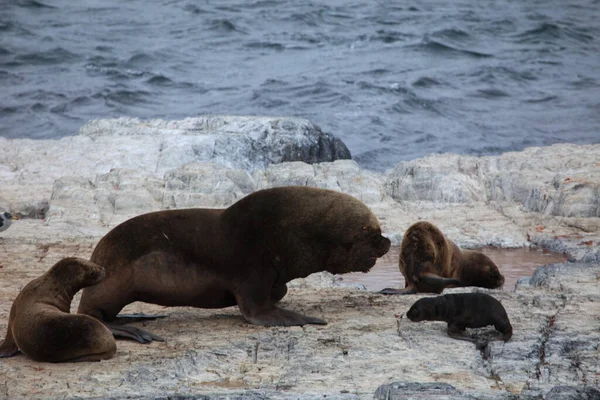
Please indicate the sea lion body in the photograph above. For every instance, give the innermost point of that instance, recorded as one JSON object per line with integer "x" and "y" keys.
{"x": 41, "y": 326}
{"x": 462, "y": 310}
{"x": 430, "y": 262}
{"x": 243, "y": 255}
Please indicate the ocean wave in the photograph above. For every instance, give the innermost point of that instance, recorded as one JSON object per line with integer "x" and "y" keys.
{"x": 451, "y": 33}
{"x": 544, "y": 99}
{"x": 265, "y": 45}
{"x": 547, "y": 31}
{"x": 491, "y": 93}
{"x": 164, "y": 81}
{"x": 438, "y": 47}
{"x": 57, "y": 55}
{"x": 224, "y": 26}
{"x": 388, "y": 36}
{"x": 124, "y": 96}
{"x": 426, "y": 82}
{"x": 501, "y": 74}
{"x": 33, "y": 4}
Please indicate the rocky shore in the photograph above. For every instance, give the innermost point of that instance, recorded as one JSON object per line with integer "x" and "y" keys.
{"x": 69, "y": 192}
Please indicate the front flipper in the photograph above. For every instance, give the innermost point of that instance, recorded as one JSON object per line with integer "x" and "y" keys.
{"x": 411, "y": 289}
{"x": 257, "y": 305}
{"x": 438, "y": 281}
{"x": 131, "y": 332}
{"x": 458, "y": 332}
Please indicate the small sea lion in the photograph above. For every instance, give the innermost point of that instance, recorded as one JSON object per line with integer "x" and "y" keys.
{"x": 242, "y": 255}
{"x": 463, "y": 310}
{"x": 40, "y": 325}
{"x": 430, "y": 262}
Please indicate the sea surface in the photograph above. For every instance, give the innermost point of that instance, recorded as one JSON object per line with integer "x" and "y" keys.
{"x": 395, "y": 80}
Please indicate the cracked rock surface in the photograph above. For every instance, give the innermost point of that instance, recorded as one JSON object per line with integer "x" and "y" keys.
{"x": 541, "y": 196}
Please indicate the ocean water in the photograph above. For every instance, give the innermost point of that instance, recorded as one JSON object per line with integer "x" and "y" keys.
{"x": 395, "y": 80}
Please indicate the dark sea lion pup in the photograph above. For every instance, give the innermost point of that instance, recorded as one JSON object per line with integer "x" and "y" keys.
{"x": 40, "y": 325}
{"x": 243, "y": 255}
{"x": 463, "y": 310}
{"x": 430, "y": 262}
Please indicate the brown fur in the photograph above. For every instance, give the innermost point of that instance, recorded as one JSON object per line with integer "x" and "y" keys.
{"x": 242, "y": 255}
{"x": 430, "y": 262}
{"x": 40, "y": 325}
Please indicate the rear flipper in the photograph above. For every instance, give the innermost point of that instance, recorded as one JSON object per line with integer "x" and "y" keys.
{"x": 131, "y": 332}
{"x": 407, "y": 290}
{"x": 438, "y": 281}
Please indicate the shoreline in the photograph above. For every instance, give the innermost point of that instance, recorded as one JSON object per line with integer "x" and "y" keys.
{"x": 547, "y": 197}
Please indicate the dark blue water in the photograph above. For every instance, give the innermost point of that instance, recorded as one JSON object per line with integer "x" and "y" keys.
{"x": 394, "y": 79}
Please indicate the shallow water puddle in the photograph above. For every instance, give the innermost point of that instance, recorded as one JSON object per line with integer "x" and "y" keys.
{"x": 513, "y": 263}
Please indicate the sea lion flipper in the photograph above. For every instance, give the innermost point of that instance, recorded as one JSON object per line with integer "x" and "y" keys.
{"x": 131, "y": 332}
{"x": 438, "y": 281}
{"x": 8, "y": 348}
{"x": 407, "y": 290}
{"x": 458, "y": 332}
{"x": 260, "y": 310}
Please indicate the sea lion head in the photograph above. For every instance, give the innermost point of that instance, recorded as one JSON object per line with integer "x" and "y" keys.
{"x": 77, "y": 272}
{"x": 425, "y": 309}
{"x": 359, "y": 244}
{"x": 483, "y": 272}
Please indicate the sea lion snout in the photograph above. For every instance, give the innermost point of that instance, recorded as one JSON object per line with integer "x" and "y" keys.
{"x": 95, "y": 275}
{"x": 382, "y": 245}
{"x": 413, "y": 313}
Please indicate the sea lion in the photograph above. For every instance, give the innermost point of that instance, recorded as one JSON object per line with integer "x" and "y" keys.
{"x": 430, "y": 262}
{"x": 463, "y": 310}
{"x": 40, "y": 325}
{"x": 242, "y": 255}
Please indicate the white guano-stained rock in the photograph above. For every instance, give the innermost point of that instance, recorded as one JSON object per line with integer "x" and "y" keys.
{"x": 154, "y": 147}
{"x": 70, "y": 192}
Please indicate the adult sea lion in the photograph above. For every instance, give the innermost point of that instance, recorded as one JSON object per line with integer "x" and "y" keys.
{"x": 463, "y": 310}
{"x": 39, "y": 323}
{"x": 430, "y": 262}
{"x": 243, "y": 255}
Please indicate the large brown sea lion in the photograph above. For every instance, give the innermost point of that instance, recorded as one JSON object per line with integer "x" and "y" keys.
{"x": 430, "y": 262}
{"x": 39, "y": 323}
{"x": 463, "y": 310}
{"x": 243, "y": 255}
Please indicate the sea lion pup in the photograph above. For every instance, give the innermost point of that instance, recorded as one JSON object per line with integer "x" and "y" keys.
{"x": 463, "y": 310}
{"x": 39, "y": 323}
{"x": 243, "y": 255}
{"x": 430, "y": 262}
